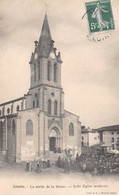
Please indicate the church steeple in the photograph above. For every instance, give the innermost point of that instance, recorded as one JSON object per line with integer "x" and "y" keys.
{"x": 45, "y": 42}
{"x": 45, "y": 89}
{"x": 45, "y": 60}
{"x": 45, "y": 32}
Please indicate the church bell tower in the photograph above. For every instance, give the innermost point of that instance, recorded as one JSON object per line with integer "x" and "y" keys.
{"x": 45, "y": 84}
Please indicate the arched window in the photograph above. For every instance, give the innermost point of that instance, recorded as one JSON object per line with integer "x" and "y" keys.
{"x": 17, "y": 108}
{"x": 12, "y": 108}
{"x": 33, "y": 104}
{"x": 13, "y": 127}
{"x": 29, "y": 127}
{"x": 3, "y": 111}
{"x": 71, "y": 129}
{"x": 55, "y": 107}
{"x": 22, "y": 105}
{"x": 34, "y": 72}
{"x": 37, "y": 103}
{"x": 49, "y": 106}
{"x": 49, "y": 71}
{"x": 1, "y": 126}
{"x": 55, "y": 72}
{"x": 8, "y": 111}
{"x": 39, "y": 71}
{"x": 1, "y": 134}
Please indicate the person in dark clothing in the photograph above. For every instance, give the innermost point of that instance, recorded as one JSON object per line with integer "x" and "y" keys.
{"x": 59, "y": 162}
{"x": 38, "y": 170}
{"x": 27, "y": 166}
{"x": 66, "y": 166}
{"x": 77, "y": 162}
{"x": 48, "y": 163}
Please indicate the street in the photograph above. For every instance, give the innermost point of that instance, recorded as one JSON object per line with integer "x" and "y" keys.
{"x": 14, "y": 179}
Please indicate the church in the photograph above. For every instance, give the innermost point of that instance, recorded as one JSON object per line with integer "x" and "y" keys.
{"x": 33, "y": 126}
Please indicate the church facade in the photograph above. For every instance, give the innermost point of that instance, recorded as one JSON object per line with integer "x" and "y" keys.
{"x": 36, "y": 124}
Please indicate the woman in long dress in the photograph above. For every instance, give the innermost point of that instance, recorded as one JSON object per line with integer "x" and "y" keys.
{"x": 97, "y": 14}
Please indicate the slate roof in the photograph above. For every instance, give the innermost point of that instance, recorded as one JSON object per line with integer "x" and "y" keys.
{"x": 45, "y": 42}
{"x": 109, "y": 128}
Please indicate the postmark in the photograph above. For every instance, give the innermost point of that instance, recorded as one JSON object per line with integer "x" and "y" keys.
{"x": 98, "y": 38}
{"x": 100, "y": 16}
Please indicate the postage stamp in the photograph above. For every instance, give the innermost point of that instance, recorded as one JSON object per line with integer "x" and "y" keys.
{"x": 100, "y": 16}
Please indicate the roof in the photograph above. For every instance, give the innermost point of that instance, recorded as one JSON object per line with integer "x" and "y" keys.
{"x": 45, "y": 41}
{"x": 96, "y": 145}
{"x": 109, "y": 128}
{"x": 106, "y": 145}
{"x": 71, "y": 113}
{"x": 9, "y": 102}
{"x": 45, "y": 44}
{"x": 88, "y": 131}
{"x": 9, "y": 116}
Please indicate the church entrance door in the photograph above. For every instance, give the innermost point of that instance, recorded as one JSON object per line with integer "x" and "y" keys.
{"x": 54, "y": 139}
{"x": 52, "y": 143}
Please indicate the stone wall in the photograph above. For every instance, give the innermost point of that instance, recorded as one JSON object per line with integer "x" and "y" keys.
{"x": 27, "y": 145}
{"x": 8, "y": 139}
{"x": 71, "y": 141}
{"x": 4, "y": 137}
{"x": 11, "y": 140}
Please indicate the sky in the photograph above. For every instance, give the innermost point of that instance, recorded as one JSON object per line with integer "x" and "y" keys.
{"x": 90, "y": 71}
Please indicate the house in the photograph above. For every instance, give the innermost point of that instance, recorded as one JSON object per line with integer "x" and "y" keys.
{"x": 110, "y": 136}
{"x": 89, "y": 137}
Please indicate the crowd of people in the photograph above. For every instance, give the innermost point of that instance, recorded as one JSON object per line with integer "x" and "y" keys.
{"x": 93, "y": 163}
{"x": 36, "y": 166}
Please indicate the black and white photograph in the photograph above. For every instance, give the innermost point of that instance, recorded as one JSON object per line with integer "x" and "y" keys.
{"x": 59, "y": 97}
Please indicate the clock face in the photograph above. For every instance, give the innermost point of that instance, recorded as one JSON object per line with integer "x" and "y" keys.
{"x": 52, "y": 55}
{"x": 36, "y": 55}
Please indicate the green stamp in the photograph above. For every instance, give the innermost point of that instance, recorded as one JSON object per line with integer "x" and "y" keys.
{"x": 100, "y": 17}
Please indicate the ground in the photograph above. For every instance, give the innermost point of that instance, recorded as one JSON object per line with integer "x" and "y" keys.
{"x": 14, "y": 179}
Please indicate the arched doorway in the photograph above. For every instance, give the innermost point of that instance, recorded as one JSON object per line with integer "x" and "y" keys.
{"x": 54, "y": 138}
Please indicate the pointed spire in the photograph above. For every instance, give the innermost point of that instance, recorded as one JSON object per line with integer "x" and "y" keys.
{"x": 45, "y": 39}
{"x": 45, "y": 33}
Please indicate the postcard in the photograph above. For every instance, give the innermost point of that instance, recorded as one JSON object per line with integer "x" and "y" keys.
{"x": 59, "y": 91}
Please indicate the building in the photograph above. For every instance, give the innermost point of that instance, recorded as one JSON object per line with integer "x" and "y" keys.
{"x": 89, "y": 137}
{"x": 36, "y": 124}
{"x": 110, "y": 136}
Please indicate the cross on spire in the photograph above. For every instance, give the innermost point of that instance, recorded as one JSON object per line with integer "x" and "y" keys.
{"x": 46, "y": 7}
